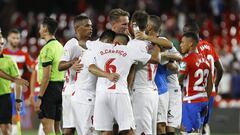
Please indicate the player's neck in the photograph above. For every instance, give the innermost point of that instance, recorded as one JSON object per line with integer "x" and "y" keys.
{"x": 12, "y": 48}
{"x": 48, "y": 37}
{"x": 193, "y": 50}
{"x": 82, "y": 43}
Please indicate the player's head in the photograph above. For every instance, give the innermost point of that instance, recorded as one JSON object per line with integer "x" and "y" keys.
{"x": 121, "y": 39}
{"x": 13, "y": 37}
{"x": 107, "y": 36}
{"x": 139, "y": 19}
{"x": 48, "y": 27}
{"x": 83, "y": 27}
{"x": 191, "y": 27}
{"x": 189, "y": 41}
{"x": 154, "y": 24}
{"x": 119, "y": 19}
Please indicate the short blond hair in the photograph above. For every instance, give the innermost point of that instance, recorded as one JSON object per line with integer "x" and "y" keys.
{"x": 114, "y": 14}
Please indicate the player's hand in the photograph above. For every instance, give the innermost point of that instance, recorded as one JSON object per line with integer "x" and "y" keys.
{"x": 37, "y": 105}
{"x": 77, "y": 66}
{"x": 18, "y": 106}
{"x": 113, "y": 77}
{"x": 22, "y": 82}
{"x": 31, "y": 100}
{"x": 141, "y": 35}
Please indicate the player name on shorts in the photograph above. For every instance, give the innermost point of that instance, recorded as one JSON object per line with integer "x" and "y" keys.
{"x": 202, "y": 60}
{"x": 120, "y": 52}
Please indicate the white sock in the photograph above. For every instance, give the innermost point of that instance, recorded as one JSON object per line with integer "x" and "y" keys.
{"x": 14, "y": 129}
{"x": 40, "y": 130}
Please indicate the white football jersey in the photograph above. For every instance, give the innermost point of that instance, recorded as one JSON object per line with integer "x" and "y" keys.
{"x": 85, "y": 81}
{"x": 172, "y": 78}
{"x": 145, "y": 73}
{"x": 71, "y": 50}
{"x": 118, "y": 59}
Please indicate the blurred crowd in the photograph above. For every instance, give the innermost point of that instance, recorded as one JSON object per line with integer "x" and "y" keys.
{"x": 218, "y": 20}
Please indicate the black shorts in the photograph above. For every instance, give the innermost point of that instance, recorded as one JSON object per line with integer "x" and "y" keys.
{"x": 51, "y": 106}
{"x": 5, "y": 109}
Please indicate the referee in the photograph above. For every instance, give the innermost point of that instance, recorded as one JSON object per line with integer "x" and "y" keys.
{"x": 9, "y": 67}
{"x": 49, "y": 103}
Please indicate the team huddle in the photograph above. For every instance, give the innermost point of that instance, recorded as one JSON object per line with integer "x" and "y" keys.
{"x": 128, "y": 81}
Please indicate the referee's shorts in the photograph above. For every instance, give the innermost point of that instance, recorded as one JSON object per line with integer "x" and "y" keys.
{"x": 51, "y": 106}
{"x": 5, "y": 109}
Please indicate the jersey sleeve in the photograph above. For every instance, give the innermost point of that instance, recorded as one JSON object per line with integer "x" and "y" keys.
{"x": 139, "y": 52}
{"x": 46, "y": 56}
{"x": 184, "y": 67}
{"x": 67, "y": 52}
{"x": 90, "y": 58}
{"x": 13, "y": 68}
{"x": 29, "y": 61}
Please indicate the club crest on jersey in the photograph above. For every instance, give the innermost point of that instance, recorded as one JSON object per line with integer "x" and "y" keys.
{"x": 183, "y": 65}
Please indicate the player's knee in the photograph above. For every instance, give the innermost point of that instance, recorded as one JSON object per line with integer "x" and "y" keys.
{"x": 6, "y": 130}
{"x": 127, "y": 132}
{"x": 57, "y": 127}
{"x": 161, "y": 128}
{"x": 68, "y": 131}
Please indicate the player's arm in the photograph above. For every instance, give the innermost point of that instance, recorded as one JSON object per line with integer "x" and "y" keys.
{"x": 181, "y": 77}
{"x": 219, "y": 67}
{"x": 184, "y": 70}
{"x": 163, "y": 42}
{"x": 155, "y": 56}
{"x": 172, "y": 66}
{"x": 100, "y": 73}
{"x": 18, "y": 94}
{"x": 29, "y": 62}
{"x": 32, "y": 86}
{"x": 171, "y": 56}
{"x": 131, "y": 76}
{"x": 209, "y": 85}
{"x": 16, "y": 80}
{"x": 46, "y": 78}
{"x": 65, "y": 65}
{"x": 44, "y": 83}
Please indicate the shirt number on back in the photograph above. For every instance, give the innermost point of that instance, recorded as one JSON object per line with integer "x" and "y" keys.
{"x": 110, "y": 68}
{"x": 202, "y": 76}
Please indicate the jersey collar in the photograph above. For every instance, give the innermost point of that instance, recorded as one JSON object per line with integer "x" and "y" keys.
{"x": 50, "y": 40}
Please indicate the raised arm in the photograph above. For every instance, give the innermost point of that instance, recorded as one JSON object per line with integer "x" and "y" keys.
{"x": 171, "y": 56}
{"x": 163, "y": 42}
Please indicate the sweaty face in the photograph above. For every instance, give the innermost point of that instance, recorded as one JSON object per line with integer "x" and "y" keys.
{"x": 84, "y": 29}
{"x": 121, "y": 25}
{"x": 1, "y": 44}
{"x": 14, "y": 39}
{"x": 185, "y": 45}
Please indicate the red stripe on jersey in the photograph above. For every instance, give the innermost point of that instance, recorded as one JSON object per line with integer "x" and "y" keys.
{"x": 149, "y": 71}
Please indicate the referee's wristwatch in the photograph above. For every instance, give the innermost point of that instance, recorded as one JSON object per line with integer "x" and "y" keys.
{"x": 18, "y": 100}
{"x": 40, "y": 97}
